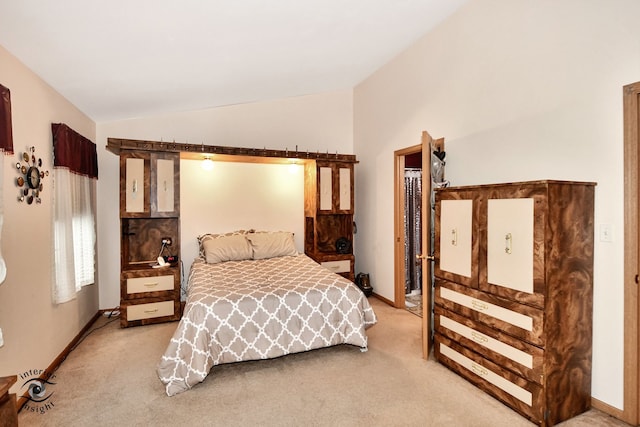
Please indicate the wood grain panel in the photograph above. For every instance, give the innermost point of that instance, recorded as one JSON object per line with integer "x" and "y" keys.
{"x": 142, "y": 240}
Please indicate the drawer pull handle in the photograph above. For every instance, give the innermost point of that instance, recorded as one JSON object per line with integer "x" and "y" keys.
{"x": 454, "y": 237}
{"x": 151, "y": 284}
{"x": 479, "y": 370}
{"x": 479, "y": 338}
{"x": 155, "y": 310}
{"x": 508, "y": 239}
{"x": 479, "y": 305}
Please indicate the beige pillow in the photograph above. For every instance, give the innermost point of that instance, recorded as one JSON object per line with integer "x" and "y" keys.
{"x": 227, "y": 248}
{"x": 204, "y": 237}
{"x": 270, "y": 245}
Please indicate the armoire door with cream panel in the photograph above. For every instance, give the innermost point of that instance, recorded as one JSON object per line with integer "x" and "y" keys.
{"x": 456, "y": 248}
{"x": 510, "y": 243}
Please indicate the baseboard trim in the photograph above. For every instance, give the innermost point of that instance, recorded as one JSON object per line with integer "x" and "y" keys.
{"x": 383, "y": 299}
{"x": 58, "y": 360}
{"x": 607, "y": 409}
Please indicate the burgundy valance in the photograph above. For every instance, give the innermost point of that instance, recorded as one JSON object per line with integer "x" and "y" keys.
{"x": 6, "y": 134}
{"x": 73, "y": 151}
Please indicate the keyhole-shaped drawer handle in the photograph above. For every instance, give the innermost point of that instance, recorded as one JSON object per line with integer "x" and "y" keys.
{"x": 479, "y": 305}
{"x": 155, "y": 310}
{"x": 508, "y": 240}
{"x": 479, "y": 370}
{"x": 151, "y": 284}
{"x": 164, "y": 185}
{"x": 134, "y": 186}
{"x": 454, "y": 237}
{"x": 478, "y": 337}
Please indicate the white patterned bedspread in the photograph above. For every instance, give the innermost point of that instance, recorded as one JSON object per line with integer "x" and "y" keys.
{"x": 260, "y": 309}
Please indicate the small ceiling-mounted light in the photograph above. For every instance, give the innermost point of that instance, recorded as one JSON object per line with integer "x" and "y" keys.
{"x": 207, "y": 163}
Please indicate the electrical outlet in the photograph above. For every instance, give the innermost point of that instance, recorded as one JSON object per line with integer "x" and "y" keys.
{"x": 166, "y": 241}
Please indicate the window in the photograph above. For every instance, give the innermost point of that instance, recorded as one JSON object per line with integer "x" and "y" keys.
{"x": 75, "y": 171}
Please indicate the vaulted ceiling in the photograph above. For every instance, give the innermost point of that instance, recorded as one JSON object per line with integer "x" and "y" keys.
{"x": 122, "y": 59}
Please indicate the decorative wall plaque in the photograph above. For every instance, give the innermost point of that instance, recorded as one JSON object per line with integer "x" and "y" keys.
{"x": 31, "y": 175}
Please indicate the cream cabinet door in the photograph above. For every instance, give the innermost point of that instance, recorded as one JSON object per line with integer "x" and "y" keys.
{"x": 164, "y": 185}
{"x": 345, "y": 189}
{"x": 510, "y": 243}
{"x": 134, "y": 193}
{"x": 326, "y": 189}
{"x": 456, "y": 219}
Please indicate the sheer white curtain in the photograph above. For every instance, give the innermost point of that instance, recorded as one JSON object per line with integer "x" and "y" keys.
{"x": 74, "y": 233}
{"x": 74, "y": 226}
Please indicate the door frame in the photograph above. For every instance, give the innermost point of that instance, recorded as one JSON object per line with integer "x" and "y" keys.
{"x": 631, "y": 404}
{"x": 425, "y": 147}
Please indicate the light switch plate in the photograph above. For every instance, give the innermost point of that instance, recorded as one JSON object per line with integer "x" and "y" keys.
{"x": 606, "y": 233}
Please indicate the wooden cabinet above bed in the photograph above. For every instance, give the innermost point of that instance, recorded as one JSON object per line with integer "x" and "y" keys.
{"x": 328, "y": 208}
{"x": 149, "y": 215}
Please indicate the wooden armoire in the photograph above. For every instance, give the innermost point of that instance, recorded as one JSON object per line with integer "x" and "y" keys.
{"x": 514, "y": 293}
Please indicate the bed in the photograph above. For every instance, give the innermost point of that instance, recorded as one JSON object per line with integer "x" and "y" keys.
{"x": 259, "y": 302}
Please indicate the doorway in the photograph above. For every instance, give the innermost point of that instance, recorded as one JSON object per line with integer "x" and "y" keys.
{"x": 423, "y": 150}
{"x": 413, "y": 220}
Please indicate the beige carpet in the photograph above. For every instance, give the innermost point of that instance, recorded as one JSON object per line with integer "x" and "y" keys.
{"x": 110, "y": 379}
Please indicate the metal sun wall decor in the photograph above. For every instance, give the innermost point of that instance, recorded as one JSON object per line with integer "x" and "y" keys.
{"x": 30, "y": 180}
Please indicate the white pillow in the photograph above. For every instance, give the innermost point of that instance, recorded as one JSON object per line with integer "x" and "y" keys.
{"x": 227, "y": 248}
{"x": 270, "y": 245}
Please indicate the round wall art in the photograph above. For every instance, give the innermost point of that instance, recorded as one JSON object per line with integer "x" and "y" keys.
{"x": 31, "y": 175}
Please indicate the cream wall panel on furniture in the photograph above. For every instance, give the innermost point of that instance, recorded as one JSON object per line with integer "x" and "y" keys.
{"x": 455, "y": 238}
{"x": 165, "y": 184}
{"x": 345, "y": 189}
{"x": 134, "y": 173}
{"x": 510, "y": 243}
{"x": 326, "y": 189}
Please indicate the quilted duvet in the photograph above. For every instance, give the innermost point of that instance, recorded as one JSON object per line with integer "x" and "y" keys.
{"x": 260, "y": 309}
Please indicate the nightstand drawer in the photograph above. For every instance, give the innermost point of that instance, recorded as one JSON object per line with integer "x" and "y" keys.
{"x": 341, "y": 266}
{"x": 150, "y": 310}
{"x": 150, "y": 284}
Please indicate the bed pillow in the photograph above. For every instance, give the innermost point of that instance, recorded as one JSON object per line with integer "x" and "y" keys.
{"x": 272, "y": 244}
{"x": 227, "y": 248}
{"x": 208, "y": 236}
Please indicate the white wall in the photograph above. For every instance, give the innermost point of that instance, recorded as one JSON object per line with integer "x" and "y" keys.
{"x": 520, "y": 90}
{"x": 35, "y": 329}
{"x": 234, "y": 196}
{"x": 321, "y": 122}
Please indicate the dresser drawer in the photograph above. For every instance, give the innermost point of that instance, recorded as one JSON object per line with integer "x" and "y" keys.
{"x": 150, "y": 310}
{"x": 340, "y": 266}
{"x": 515, "y": 355}
{"x": 150, "y": 284}
{"x": 520, "y": 321}
{"x": 524, "y": 396}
